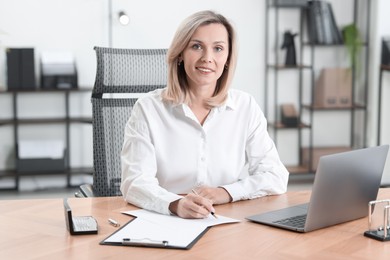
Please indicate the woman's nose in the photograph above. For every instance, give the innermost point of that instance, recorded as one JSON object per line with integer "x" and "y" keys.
{"x": 207, "y": 56}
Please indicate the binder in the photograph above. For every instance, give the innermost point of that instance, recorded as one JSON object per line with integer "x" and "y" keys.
{"x": 326, "y": 22}
{"x": 13, "y": 77}
{"x": 322, "y": 26}
{"x": 20, "y": 68}
{"x": 318, "y": 22}
{"x": 336, "y": 33}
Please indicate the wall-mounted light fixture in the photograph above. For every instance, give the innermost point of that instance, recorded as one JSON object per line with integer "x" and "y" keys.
{"x": 123, "y": 18}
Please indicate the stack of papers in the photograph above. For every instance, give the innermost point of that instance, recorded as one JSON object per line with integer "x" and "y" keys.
{"x": 57, "y": 63}
{"x": 35, "y": 149}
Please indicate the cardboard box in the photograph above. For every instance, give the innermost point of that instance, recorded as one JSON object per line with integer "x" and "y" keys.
{"x": 334, "y": 88}
{"x": 317, "y": 153}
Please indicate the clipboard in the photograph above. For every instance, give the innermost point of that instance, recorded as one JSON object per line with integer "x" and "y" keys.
{"x": 121, "y": 237}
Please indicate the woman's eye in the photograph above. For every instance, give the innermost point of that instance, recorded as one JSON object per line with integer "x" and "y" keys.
{"x": 218, "y": 49}
{"x": 196, "y": 47}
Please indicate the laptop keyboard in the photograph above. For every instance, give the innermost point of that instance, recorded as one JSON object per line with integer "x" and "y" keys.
{"x": 296, "y": 221}
{"x": 84, "y": 223}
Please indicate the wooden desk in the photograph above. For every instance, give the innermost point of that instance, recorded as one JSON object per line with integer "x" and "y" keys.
{"x": 35, "y": 229}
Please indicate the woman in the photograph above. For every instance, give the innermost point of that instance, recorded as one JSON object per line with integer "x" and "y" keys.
{"x": 196, "y": 136}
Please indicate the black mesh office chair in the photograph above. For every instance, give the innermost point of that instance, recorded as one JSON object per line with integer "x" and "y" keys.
{"x": 121, "y": 73}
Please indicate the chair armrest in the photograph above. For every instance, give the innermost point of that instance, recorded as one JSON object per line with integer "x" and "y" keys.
{"x": 87, "y": 191}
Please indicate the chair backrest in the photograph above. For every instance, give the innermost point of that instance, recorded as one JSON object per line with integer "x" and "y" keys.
{"x": 120, "y": 74}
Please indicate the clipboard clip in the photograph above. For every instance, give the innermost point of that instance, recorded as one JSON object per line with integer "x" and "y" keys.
{"x": 144, "y": 242}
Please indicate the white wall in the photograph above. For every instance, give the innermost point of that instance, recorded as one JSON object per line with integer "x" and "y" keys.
{"x": 79, "y": 25}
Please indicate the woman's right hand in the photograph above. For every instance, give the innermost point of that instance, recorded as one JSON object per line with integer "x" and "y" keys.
{"x": 192, "y": 206}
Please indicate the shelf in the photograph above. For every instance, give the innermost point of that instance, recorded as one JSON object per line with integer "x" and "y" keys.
{"x": 67, "y": 173}
{"x": 65, "y": 120}
{"x": 7, "y": 173}
{"x": 318, "y": 108}
{"x": 284, "y": 67}
{"x": 39, "y": 121}
{"x": 6, "y": 122}
{"x": 275, "y": 4}
{"x": 280, "y": 125}
{"x": 365, "y": 44}
{"x": 73, "y": 171}
{"x": 87, "y": 120}
{"x": 297, "y": 169}
{"x": 385, "y": 67}
{"x": 40, "y": 90}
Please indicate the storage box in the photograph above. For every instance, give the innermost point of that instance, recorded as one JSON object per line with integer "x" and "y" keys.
{"x": 36, "y": 156}
{"x": 317, "y": 153}
{"x": 334, "y": 88}
{"x": 40, "y": 165}
{"x": 58, "y": 70}
{"x": 289, "y": 115}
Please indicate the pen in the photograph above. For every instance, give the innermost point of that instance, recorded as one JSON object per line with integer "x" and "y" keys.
{"x": 113, "y": 222}
{"x": 212, "y": 213}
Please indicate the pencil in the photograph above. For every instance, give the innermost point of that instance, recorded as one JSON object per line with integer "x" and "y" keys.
{"x": 212, "y": 213}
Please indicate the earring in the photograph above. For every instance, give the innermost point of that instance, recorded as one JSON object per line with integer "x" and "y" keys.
{"x": 179, "y": 62}
{"x": 226, "y": 67}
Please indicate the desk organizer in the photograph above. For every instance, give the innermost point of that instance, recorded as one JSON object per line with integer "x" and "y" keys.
{"x": 379, "y": 232}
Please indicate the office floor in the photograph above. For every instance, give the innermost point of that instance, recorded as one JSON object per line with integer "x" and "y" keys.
{"x": 54, "y": 187}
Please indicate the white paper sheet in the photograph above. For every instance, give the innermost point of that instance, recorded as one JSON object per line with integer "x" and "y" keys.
{"x": 144, "y": 230}
{"x": 174, "y": 220}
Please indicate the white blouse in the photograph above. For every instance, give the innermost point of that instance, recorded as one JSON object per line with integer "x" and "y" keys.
{"x": 167, "y": 152}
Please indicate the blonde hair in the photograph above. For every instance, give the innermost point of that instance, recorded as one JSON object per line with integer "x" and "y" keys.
{"x": 177, "y": 86}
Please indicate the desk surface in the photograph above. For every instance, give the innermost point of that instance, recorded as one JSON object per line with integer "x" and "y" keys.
{"x": 36, "y": 229}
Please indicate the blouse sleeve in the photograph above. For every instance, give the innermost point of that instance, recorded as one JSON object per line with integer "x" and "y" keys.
{"x": 140, "y": 186}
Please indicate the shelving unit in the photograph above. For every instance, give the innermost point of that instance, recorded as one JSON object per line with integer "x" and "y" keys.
{"x": 15, "y": 122}
{"x": 383, "y": 69}
{"x": 275, "y": 70}
{"x": 306, "y": 70}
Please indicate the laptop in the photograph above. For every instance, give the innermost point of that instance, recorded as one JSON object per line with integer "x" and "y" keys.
{"x": 344, "y": 184}
{"x": 79, "y": 225}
